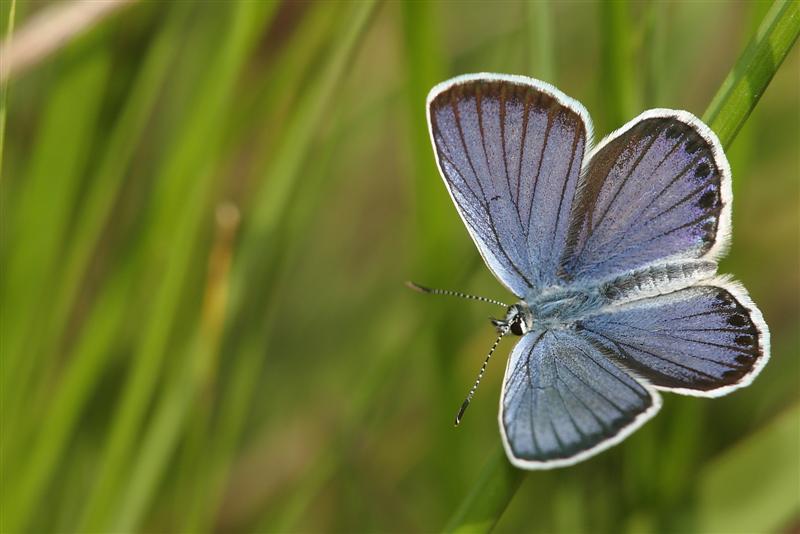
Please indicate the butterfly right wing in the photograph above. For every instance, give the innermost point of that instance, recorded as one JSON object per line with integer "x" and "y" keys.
{"x": 510, "y": 150}
{"x": 656, "y": 191}
{"x": 563, "y": 401}
{"x": 703, "y": 340}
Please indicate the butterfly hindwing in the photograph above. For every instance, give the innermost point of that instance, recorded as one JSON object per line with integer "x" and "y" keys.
{"x": 703, "y": 340}
{"x": 563, "y": 400}
{"x": 510, "y": 150}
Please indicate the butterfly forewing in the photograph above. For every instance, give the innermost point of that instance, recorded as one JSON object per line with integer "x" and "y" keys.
{"x": 510, "y": 151}
{"x": 656, "y": 191}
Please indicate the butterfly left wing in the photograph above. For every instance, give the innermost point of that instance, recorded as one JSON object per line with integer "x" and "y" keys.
{"x": 704, "y": 340}
{"x": 510, "y": 151}
{"x": 563, "y": 401}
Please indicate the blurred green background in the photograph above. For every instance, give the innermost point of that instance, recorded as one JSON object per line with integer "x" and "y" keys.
{"x": 209, "y": 210}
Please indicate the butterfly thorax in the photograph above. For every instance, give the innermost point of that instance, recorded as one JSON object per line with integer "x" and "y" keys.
{"x": 556, "y": 308}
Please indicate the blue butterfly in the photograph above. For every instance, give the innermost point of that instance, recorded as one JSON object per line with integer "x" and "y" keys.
{"x": 612, "y": 252}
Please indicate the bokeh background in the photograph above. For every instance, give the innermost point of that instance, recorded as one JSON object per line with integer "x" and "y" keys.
{"x": 208, "y": 213}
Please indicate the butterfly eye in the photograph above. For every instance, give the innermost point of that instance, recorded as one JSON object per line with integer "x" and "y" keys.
{"x": 516, "y": 327}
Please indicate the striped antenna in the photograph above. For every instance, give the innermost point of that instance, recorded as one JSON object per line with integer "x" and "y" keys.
{"x": 464, "y": 405}
{"x": 423, "y": 289}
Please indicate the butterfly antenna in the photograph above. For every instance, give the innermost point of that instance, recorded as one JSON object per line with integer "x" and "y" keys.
{"x": 423, "y": 289}
{"x": 466, "y": 402}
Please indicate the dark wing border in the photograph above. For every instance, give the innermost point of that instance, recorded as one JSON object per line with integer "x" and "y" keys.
{"x": 738, "y": 292}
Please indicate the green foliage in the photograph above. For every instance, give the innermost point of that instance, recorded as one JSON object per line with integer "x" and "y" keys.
{"x": 208, "y": 210}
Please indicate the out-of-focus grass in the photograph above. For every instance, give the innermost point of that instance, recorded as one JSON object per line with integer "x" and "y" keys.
{"x": 723, "y": 507}
{"x": 72, "y": 392}
{"x": 7, "y": 31}
{"x": 208, "y": 211}
{"x": 743, "y": 87}
{"x": 617, "y": 55}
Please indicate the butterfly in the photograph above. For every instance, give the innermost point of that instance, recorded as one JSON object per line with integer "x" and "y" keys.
{"x": 612, "y": 252}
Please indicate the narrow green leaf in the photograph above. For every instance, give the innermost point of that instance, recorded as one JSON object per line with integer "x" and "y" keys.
{"x": 185, "y": 180}
{"x": 84, "y": 368}
{"x": 252, "y": 278}
{"x": 109, "y": 178}
{"x": 174, "y": 406}
{"x": 4, "y": 87}
{"x": 541, "y": 52}
{"x": 767, "y": 462}
{"x": 489, "y": 497}
{"x": 755, "y": 68}
{"x": 23, "y": 492}
{"x": 39, "y": 216}
{"x": 617, "y": 73}
{"x": 271, "y": 200}
{"x": 423, "y": 56}
{"x": 656, "y": 45}
{"x": 200, "y": 470}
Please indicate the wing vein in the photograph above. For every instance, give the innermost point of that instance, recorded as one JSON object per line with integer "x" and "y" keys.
{"x": 625, "y": 353}
{"x": 490, "y": 220}
{"x": 539, "y": 166}
{"x": 627, "y": 177}
{"x": 527, "y": 110}
{"x": 564, "y": 188}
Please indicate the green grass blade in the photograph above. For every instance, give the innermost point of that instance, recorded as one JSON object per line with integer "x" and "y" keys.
{"x": 79, "y": 379}
{"x": 656, "y": 44}
{"x": 251, "y": 275}
{"x": 541, "y": 52}
{"x": 185, "y": 180}
{"x": 39, "y": 217}
{"x": 174, "y": 407}
{"x": 109, "y": 178}
{"x": 4, "y": 87}
{"x": 489, "y": 497}
{"x": 71, "y": 396}
{"x": 163, "y": 434}
{"x": 767, "y": 462}
{"x": 425, "y": 69}
{"x": 755, "y": 68}
{"x": 200, "y": 478}
{"x": 271, "y": 201}
{"x": 727, "y": 113}
{"x": 9, "y": 30}
{"x": 618, "y": 85}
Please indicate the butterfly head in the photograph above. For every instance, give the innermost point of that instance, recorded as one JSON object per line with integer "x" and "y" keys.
{"x": 518, "y": 321}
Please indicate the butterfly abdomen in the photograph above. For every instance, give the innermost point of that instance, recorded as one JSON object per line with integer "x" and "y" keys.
{"x": 655, "y": 280}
